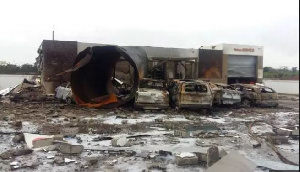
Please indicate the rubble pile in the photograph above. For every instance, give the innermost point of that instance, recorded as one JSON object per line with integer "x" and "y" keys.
{"x": 41, "y": 135}
{"x": 27, "y": 91}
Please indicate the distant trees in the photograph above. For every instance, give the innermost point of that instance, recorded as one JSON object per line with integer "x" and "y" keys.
{"x": 281, "y": 73}
{"x": 16, "y": 69}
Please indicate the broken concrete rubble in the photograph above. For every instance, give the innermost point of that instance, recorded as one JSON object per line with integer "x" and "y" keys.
{"x": 67, "y": 148}
{"x": 212, "y": 155}
{"x": 186, "y": 158}
{"x": 157, "y": 166}
{"x": 146, "y": 136}
{"x": 255, "y": 143}
{"x": 58, "y": 137}
{"x": 15, "y": 152}
{"x": 67, "y": 160}
{"x": 59, "y": 160}
{"x": 18, "y": 138}
{"x": 120, "y": 141}
{"x": 69, "y": 131}
{"x": 92, "y": 160}
{"x": 233, "y": 162}
{"x": 222, "y": 153}
{"x": 202, "y": 157}
{"x": 33, "y": 139}
{"x": 42, "y": 142}
{"x": 182, "y": 133}
{"x": 278, "y": 140}
{"x": 295, "y": 133}
{"x": 283, "y": 132}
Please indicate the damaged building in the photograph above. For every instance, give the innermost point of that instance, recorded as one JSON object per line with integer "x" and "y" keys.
{"x": 231, "y": 63}
{"x": 55, "y": 57}
{"x": 111, "y": 74}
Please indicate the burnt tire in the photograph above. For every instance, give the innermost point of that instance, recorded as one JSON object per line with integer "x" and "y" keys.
{"x": 246, "y": 103}
{"x": 69, "y": 101}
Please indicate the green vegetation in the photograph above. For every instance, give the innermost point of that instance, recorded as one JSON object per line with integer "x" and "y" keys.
{"x": 16, "y": 69}
{"x": 281, "y": 73}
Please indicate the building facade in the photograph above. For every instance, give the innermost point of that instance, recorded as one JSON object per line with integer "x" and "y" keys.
{"x": 231, "y": 63}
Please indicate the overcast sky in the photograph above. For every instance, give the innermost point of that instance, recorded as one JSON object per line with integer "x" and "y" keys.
{"x": 273, "y": 24}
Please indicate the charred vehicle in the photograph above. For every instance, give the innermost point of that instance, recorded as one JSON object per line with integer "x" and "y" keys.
{"x": 64, "y": 93}
{"x": 223, "y": 94}
{"x": 152, "y": 94}
{"x": 257, "y": 95}
{"x": 194, "y": 94}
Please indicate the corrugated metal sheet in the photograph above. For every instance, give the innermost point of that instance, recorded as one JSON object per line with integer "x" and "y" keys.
{"x": 241, "y": 66}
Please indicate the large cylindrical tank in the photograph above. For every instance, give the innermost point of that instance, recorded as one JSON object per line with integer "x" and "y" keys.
{"x": 94, "y": 67}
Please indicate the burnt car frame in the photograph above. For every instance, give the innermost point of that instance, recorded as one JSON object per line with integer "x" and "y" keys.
{"x": 152, "y": 94}
{"x": 64, "y": 93}
{"x": 193, "y": 94}
{"x": 257, "y": 95}
{"x": 223, "y": 94}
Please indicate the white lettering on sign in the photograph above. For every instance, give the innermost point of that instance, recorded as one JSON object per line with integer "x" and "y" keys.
{"x": 244, "y": 49}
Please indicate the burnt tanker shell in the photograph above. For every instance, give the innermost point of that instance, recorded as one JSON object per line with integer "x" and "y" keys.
{"x": 91, "y": 80}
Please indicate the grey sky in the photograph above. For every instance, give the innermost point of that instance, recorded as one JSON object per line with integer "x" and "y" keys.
{"x": 169, "y": 23}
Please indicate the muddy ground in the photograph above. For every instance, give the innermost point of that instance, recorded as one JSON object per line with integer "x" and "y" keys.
{"x": 149, "y": 132}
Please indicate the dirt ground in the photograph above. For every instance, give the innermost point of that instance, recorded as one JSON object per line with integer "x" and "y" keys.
{"x": 148, "y": 132}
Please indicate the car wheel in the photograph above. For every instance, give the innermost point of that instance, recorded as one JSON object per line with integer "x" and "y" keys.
{"x": 69, "y": 101}
{"x": 246, "y": 103}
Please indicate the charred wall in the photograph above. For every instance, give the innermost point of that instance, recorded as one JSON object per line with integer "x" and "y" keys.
{"x": 211, "y": 65}
{"x": 57, "y": 56}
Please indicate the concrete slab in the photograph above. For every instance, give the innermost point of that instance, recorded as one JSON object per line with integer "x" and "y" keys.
{"x": 233, "y": 162}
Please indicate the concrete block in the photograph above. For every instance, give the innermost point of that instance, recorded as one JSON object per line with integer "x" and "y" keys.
{"x": 70, "y": 149}
{"x": 18, "y": 138}
{"x": 222, "y": 153}
{"x": 202, "y": 157}
{"x": 92, "y": 160}
{"x": 42, "y": 142}
{"x": 212, "y": 155}
{"x": 295, "y": 133}
{"x": 23, "y": 151}
{"x": 182, "y": 133}
{"x": 186, "y": 158}
{"x": 69, "y": 131}
{"x": 284, "y": 132}
{"x": 278, "y": 140}
{"x": 233, "y": 162}
{"x": 58, "y": 137}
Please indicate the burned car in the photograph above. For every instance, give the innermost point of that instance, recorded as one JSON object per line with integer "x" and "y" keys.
{"x": 257, "y": 95}
{"x": 223, "y": 94}
{"x": 193, "y": 94}
{"x": 152, "y": 94}
{"x": 64, "y": 93}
